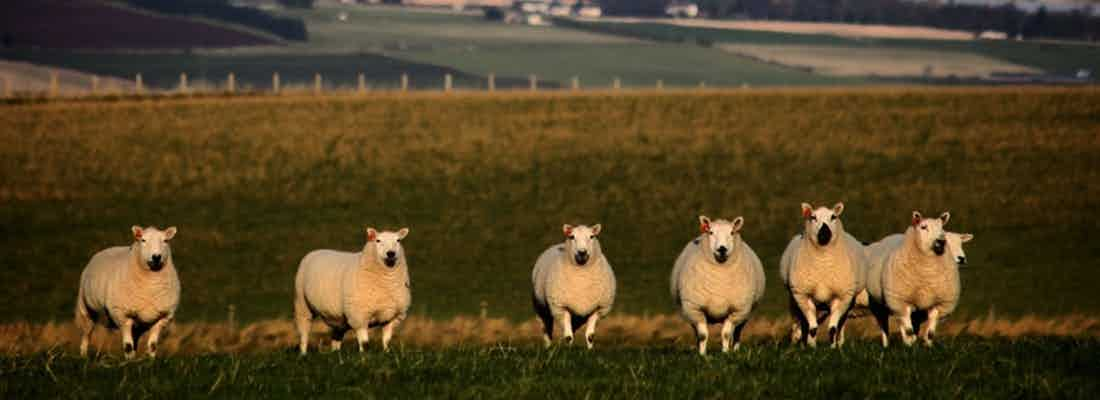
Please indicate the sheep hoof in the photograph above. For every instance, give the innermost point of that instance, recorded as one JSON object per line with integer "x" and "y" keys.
{"x": 569, "y": 339}
{"x": 813, "y": 332}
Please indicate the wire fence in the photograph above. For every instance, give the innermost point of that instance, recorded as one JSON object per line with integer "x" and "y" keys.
{"x": 95, "y": 86}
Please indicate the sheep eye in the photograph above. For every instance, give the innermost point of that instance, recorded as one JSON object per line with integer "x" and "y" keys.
{"x": 379, "y": 240}
{"x": 813, "y": 218}
{"x": 570, "y": 237}
{"x": 924, "y": 227}
{"x": 833, "y": 218}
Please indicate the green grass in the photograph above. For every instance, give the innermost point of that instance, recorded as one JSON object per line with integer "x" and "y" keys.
{"x": 959, "y": 368}
{"x": 485, "y": 183}
{"x": 1050, "y": 57}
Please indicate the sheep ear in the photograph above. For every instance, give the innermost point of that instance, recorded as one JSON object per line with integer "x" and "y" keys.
{"x": 169, "y": 233}
{"x": 704, "y": 224}
{"x": 402, "y": 233}
{"x": 916, "y": 218}
{"x": 372, "y": 234}
{"x": 137, "y": 232}
{"x": 966, "y": 237}
{"x": 807, "y": 209}
{"x": 596, "y": 229}
{"x": 737, "y": 223}
{"x": 945, "y": 216}
{"x": 838, "y": 208}
{"x": 567, "y": 229}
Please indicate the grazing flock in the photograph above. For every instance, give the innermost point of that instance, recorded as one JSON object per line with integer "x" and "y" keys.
{"x": 830, "y": 276}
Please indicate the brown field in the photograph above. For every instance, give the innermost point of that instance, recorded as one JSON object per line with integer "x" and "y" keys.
{"x": 619, "y": 330}
{"x": 891, "y": 62}
{"x": 85, "y": 24}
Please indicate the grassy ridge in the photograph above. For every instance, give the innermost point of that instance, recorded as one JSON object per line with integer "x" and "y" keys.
{"x": 485, "y": 183}
{"x": 1030, "y": 368}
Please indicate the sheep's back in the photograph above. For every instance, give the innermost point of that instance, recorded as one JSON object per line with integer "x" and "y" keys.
{"x": 322, "y": 274}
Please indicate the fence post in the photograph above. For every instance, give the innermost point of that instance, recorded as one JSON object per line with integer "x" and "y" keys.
{"x": 660, "y": 84}
{"x": 575, "y": 83}
{"x": 317, "y": 83}
{"x": 446, "y": 82}
{"x": 138, "y": 84}
{"x": 702, "y": 84}
{"x": 231, "y": 318}
{"x": 534, "y": 81}
{"x": 362, "y": 83}
{"x": 492, "y": 82}
{"x": 404, "y": 81}
{"x": 95, "y": 84}
{"x": 616, "y": 84}
{"x": 231, "y": 83}
{"x": 7, "y": 86}
{"x": 183, "y": 82}
{"x": 53, "y": 84}
{"x": 275, "y": 82}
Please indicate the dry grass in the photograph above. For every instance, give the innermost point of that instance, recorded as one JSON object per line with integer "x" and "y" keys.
{"x": 276, "y": 335}
{"x": 889, "y": 62}
{"x": 817, "y": 28}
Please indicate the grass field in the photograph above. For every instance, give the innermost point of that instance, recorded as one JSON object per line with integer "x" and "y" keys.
{"x": 1049, "y": 57}
{"x": 960, "y": 368}
{"x": 383, "y": 42}
{"x": 485, "y": 183}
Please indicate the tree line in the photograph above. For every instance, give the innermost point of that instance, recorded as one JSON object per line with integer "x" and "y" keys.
{"x": 973, "y": 18}
{"x": 284, "y": 27}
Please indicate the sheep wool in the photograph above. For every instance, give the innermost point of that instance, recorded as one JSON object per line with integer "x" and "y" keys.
{"x": 717, "y": 279}
{"x": 134, "y": 289}
{"x": 354, "y": 291}
{"x": 573, "y": 284}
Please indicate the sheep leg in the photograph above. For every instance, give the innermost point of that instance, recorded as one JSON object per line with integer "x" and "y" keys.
{"x": 798, "y": 326}
{"x": 362, "y": 337}
{"x": 303, "y": 319}
{"x": 565, "y": 320}
{"x": 87, "y": 326}
{"x": 809, "y": 312}
{"x": 337, "y": 339}
{"x": 590, "y": 329}
{"x": 547, "y": 331}
{"x": 701, "y": 335}
{"x": 128, "y": 338}
{"x": 727, "y": 333}
{"x": 838, "y": 310}
{"x": 737, "y": 329}
{"x": 882, "y": 316}
{"x": 933, "y": 320}
{"x": 387, "y": 332}
{"x": 154, "y": 335}
{"x": 908, "y": 336}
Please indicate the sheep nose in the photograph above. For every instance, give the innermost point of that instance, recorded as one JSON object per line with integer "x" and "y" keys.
{"x": 156, "y": 258}
{"x": 961, "y": 260}
{"x": 722, "y": 249}
{"x": 391, "y": 254}
{"x": 582, "y": 253}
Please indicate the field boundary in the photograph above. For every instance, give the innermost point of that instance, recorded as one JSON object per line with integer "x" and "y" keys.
{"x": 622, "y": 330}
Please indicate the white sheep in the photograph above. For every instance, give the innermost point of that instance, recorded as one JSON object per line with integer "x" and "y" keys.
{"x": 573, "y": 284}
{"x": 133, "y": 288}
{"x": 823, "y": 267}
{"x": 354, "y": 291}
{"x": 717, "y": 278}
{"x": 874, "y": 274}
{"x": 913, "y": 278}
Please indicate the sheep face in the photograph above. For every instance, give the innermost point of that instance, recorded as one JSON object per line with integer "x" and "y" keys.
{"x": 153, "y": 244}
{"x": 581, "y": 242}
{"x": 721, "y": 236}
{"x": 387, "y": 245}
{"x": 931, "y": 237}
{"x": 822, "y": 226}
{"x": 955, "y": 245}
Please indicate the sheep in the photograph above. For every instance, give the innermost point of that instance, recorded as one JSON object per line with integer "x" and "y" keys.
{"x": 914, "y": 278}
{"x": 717, "y": 278}
{"x": 134, "y": 288}
{"x": 823, "y": 267}
{"x": 954, "y": 248}
{"x": 354, "y": 291}
{"x": 573, "y": 283}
